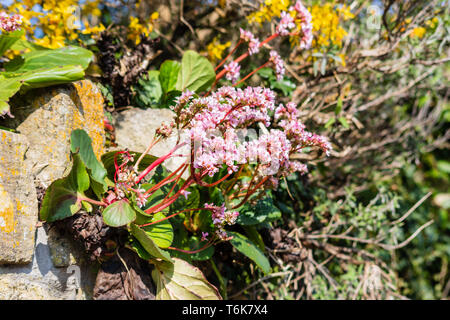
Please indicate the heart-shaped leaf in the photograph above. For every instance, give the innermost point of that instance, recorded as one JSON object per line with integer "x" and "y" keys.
{"x": 196, "y": 73}
{"x": 118, "y": 214}
{"x": 168, "y": 75}
{"x": 63, "y": 198}
{"x": 182, "y": 281}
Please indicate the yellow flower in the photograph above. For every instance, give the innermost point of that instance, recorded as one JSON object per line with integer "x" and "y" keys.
{"x": 94, "y": 30}
{"x": 215, "y": 49}
{"x": 418, "y": 32}
{"x": 136, "y": 28}
{"x": 268, "y": 10}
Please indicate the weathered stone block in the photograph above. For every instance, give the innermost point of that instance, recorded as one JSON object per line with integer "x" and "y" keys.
{"x": 18, "y": 201}
{"x": 41, "y": 280}
{"x": 48, "y": 116}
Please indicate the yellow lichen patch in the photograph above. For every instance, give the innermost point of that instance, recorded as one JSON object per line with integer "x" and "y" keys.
{"x": 92, "y": 104}
{"x": 6, "y": 212}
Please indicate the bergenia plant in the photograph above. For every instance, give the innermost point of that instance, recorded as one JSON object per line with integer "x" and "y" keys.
{"x": 235, "y": 144}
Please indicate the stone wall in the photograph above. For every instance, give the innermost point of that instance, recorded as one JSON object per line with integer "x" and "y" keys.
{"x": 37, "y": 263}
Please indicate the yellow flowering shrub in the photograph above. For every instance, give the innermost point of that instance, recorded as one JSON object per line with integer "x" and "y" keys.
{"x": 420, "y": 32}
{"x": 215, "y": 49}
{"x": 136, "y": 29}
{"x": 63, "y": 20}
{"x": 268, "y": 10}
{"x": 327, "y": 21}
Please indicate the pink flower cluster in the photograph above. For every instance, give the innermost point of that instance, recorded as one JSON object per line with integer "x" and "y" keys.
{"x": 286, "y": 24}
{"x": 253, "y": 42}
{"x": 278, "y": 63}
{"x": 220, "y": 130}
{"x": 288, "y": 120}
{"x": 232, "y": 71}
{"x": 306, "y": 23}
{"x": 10, "y": 23}
{"x": 220, "y": 218}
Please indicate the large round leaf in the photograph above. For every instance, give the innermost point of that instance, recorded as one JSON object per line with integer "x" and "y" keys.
{"x": 118, "y": 214}
{"x": 182, "y": 281}
{"x": 196, "y": 73}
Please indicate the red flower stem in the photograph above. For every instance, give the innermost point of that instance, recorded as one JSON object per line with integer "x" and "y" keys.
{"x": 173, "y": 187}
{"x": 235, "y": 179}
{"x": 245, "y": 55}
{"x": 231, "y": 52}
{"x": 217, "y": 182}
{"x": 162, "y": 206}
{"x": 157, "y": 163}
{"x": 98, "y": 203}
{"x": 251, "y": 73}
{"x": 152, "y": 143}
{"x": 171, "y": 216}
{"x": 165, "y": 180}
{"x": 206, "y": 246}
{"x": 250, "y": 192}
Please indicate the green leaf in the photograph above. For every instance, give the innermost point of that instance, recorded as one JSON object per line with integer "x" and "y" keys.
{"x": 161, "y": 232}
{"x": 344, "y": 122}
{"x": 148, "y": 244}
{"x": 330, "y": 122}
{"x": 62, "y": 198}
{"x": 338, "y": 107}
{"x": 249, "y": 249}
{"x": 11, "y": 83}
{"x": 168, "y": 75}
{"x": 182, "y": 203}
{"x": 39, "y": 59}
{"x": 8, "y": 39}
{"x": 8, "y": 88}
{"x": 285, "y": 85}
{"x": 263, "y": 211}
{"x": 81, "y": 143}
{"x": 182, "y": 281}
{"x": 196, "y": 73}
{"x": 266, "y": 73}
{"x": 149, "y": 91}
{"x": 195, "y": 244}
{"x": 118, "y": 214}
{"x": 255, "y": 237}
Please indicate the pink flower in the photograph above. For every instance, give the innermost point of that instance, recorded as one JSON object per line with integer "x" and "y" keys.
{"x": 205, "y": 236}
{"x": 278, "y": 63}
{"x": 219, "y": 130}
{"x": 10, "y": 23}
{"x": 253, "y": 42}
{"x": 306, "y": 23}
{"x": 286, "y": 24}
{"x": 185, "y": 193}
{"x": 233, "y": 68}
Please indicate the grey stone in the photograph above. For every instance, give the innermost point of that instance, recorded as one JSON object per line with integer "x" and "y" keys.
{"x": 135, "y": 128}
{"x": 18, "y": 200}
{"x": 41, "y": 280}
